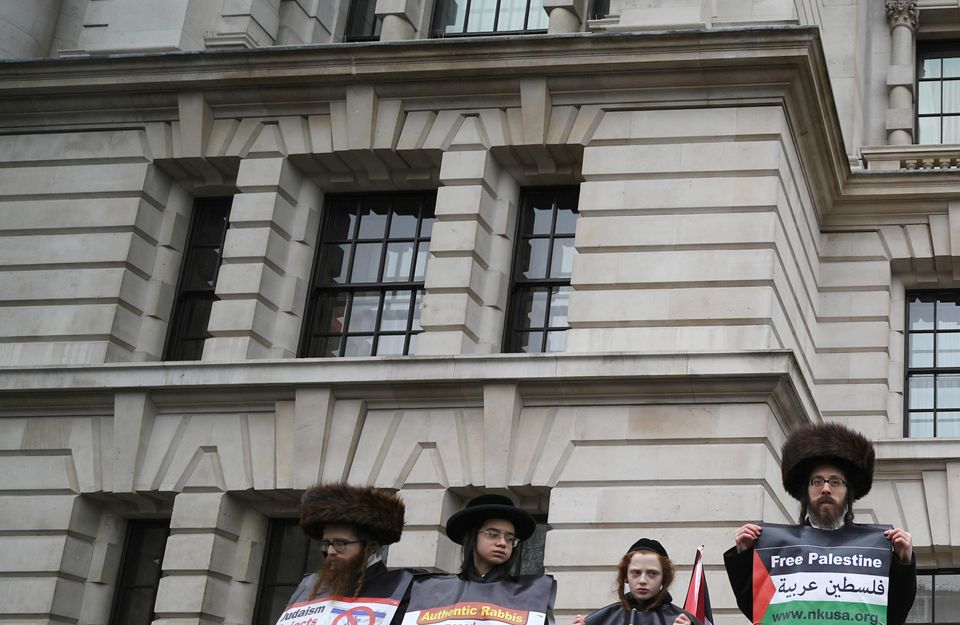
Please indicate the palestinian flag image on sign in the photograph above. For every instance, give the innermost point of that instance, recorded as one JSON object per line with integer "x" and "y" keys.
{"x": 806, "y": 576}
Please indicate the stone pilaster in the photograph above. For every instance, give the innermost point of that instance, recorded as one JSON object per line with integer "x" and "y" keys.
{"x": 246, "y": 24}
{"x": 903, "y": 16}
{"x": 398, "y": 19}
{"x": 212, "y": 561}
{"x": 468, "y": 273}
{"x": 26, "y": 28}
{"x": 566, "y": 16}
{"x": 267, "y": 257}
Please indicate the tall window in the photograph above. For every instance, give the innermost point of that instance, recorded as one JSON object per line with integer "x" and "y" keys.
{"x": 363, "y": 23}
{"x": 541, "y": 270}
{"x": 938, "y": 598}
{"x": 933, "y": 364}
{"x": 139, "y": 572}
{"x": 198, "y": 279}
{"x": 289, "y": 555}
{"x": 938, "y": 94}
{"x": 368, "y": 280}
{"x": 467, "y": 17}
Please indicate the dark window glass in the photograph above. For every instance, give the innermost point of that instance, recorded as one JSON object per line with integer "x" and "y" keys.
{"x": 368, "y": 280}
{"x": 933, "y": 365}
{"x": 938, "y": 93}
{"x": 363, "y": 23}
{"x": 454, "y": 18}
{"x": 198, "y": 279}
{"x": 289, "y": 555}
{"x": 938, "y": 598}
{"x": 139, "y": 574}
{"x": 542, "y": 264}
{"x": 531, "y": 558}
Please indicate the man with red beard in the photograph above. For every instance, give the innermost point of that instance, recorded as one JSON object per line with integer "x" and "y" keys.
{"x": 351, "y": 523}
{"x": 826, "y": 467}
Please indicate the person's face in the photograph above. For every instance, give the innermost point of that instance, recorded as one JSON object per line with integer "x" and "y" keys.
{"x": 336, "y": 532}
{"x": 494, "y": 544}
{"x": 644, "y": 575}
{"x": 827, "y": 501}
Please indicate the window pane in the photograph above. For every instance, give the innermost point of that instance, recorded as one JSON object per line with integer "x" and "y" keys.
{"x": 398, "y": 261}
{"x": 390, "y": 345}
{"x": 538, "y": 19}
{"x": 951, "y": 68}
{"x": 288, "y": 558}
{"x": 931, "y": 68}
{"x": 373, "y": 217}
{"x": 929, "y": 129}
{"x": 921, "y": 315}
{"x": 948, "y": 426}
{"x": 558, "y": 306}
{"x": 531, "y": 342}
{"x": 334, "y": 264}
{"x": 948, "y": 391}
{"x": 426, "y": 227}
{"x": 412, "y": 345}
{"x": 920, "y": 425}
{"x": 562, "y": 263}
{"x": 928, "y": 101}
{"x": 423, "y": 255}
{"x": 403, "y": 222}
{"x": 921, "y": 350}
{"x": 396, "y": 311}
{"x": 342, "y": 220}
{"x": 205, "y": 265}
{"x": 135, "y": 607}
{"x": 333, "y": 312}
{"x": 512, "y": 13}
{"x": 453, "y": 14}
{"x": 948, "y": 349}
{"x": 566, "y": 221}
{"x": 534, "y": 252}
{"x": 196, "y": 316}
{"x": 951, "y": 130}
{"x": 531, "y": 558}
{"x": 366, "y": 265}
{"x": 417, "y": 302}
{"x": 326, "y": 347}
{"x": 947, "y": 601}
{"x": 533, "y": 309}
{"x": 359, "y": 346}
{"x": 951, "y": 96}
{"x": 363, "y": 18}
{"x": 363, "y": 312}
{"x": 556, "y": 341}
{"x": 921, "y": 391}
{"x": 482, "y": 15}
{"x": 922, "y": 610}
{"x": 539, "y": 212}
{"x": 948, "y": 315}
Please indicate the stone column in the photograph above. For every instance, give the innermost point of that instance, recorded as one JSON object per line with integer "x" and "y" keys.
{"x": 904, "y": 18}
{"x": 471, "y": 249}
{"x": 267, "y": 258}
{"x": 398, "y": 19}
{"x": 246, "y": 24}
{"x": 566, "y": 16}
{"x": 26, "y": 28}
{"x": 212, "y": 561}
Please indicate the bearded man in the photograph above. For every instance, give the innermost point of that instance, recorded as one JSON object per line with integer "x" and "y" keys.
{"x": 827, "y": 467}
{"x": 351, "y": 523}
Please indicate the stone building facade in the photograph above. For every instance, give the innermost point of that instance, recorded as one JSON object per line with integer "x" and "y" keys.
{"x": 759, "y": 239}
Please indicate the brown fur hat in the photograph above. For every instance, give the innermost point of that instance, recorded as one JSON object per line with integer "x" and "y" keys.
{"x": 375, "y": 511}
{"x": 827, "y": 443}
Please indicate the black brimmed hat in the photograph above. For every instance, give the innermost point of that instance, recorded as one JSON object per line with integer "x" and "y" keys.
{"x": 648, "y": 544}
{"x": 484, "y": 507}
{"x": 374, "y": 511}
{"x": 827, "y": 443}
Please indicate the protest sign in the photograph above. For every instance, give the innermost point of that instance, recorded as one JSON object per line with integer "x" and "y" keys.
{"x": 449, "y": 600}
{"x": 340, "y": 611}
{"x": 806, "y": 576}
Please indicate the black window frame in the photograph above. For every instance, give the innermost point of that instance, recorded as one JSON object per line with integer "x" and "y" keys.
{"x": 320, "y": 293}
{"x": 355, "y": 17}
{"x": 125, "y": 572}
{"x": 927, "y": 50}
{"x": 441, "y": 10}
{"x": 310, "y": 556}
{"x": 515, "y": 322}
{"x": 933, "y": 297}
{"x": 188, "y": 297}
{"x": 933, "y": 605}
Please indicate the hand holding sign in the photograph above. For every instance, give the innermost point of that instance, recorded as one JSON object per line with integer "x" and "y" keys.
{"x": 746, "y": 536}
{"x": 902, "y": 543}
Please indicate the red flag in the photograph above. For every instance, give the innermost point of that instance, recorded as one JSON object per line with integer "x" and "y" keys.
{"x": 698, "y": 599}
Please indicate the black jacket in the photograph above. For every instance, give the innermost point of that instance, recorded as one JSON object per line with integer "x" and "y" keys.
{"x": 614, "y": 614}
{"x": 903, "y": 584}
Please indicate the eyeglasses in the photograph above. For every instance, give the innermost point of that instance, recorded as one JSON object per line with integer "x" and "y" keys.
{"x": 338, "y": 544}
{"x": 496, "y": 535}
{"x": 834, "y": 482}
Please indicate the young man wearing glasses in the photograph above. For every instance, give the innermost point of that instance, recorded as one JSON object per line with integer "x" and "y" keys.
{"x": 826, "y": 467}
{"x": 351, "y": 523}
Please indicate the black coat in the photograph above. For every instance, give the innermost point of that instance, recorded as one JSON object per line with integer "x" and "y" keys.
{"x": 614, "y": 614}
{"x": 903, "y": 584}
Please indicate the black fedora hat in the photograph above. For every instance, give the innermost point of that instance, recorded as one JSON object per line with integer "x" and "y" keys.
{"x": 484, "y": 507}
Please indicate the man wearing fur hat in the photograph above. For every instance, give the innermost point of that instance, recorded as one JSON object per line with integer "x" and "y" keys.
{"x": 827, "y": 467}
{"x": 351, "y": 523}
